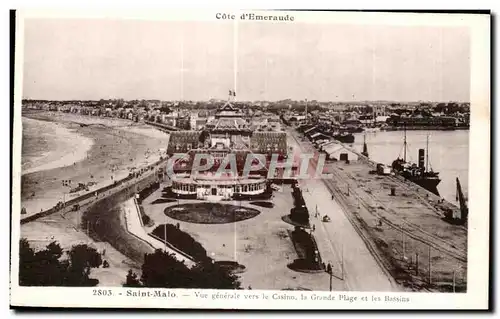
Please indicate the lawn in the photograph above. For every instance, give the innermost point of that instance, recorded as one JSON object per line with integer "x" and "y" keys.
{"x": 210, "y": 213}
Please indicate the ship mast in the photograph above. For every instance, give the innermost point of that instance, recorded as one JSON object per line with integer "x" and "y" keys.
{"x": 404, "y": 144}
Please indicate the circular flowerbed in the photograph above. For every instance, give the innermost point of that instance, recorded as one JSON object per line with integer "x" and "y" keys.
{"x": 210, "y": 213}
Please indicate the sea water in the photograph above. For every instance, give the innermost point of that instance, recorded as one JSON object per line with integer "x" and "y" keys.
{"x": 48, "y": 145}
{"x": 448, "y": 153}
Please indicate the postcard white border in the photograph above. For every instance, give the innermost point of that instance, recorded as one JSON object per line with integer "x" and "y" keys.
{"x": 479, "y": 171}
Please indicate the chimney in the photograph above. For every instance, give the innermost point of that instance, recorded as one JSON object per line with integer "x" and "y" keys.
{"x": 421, "y": 158}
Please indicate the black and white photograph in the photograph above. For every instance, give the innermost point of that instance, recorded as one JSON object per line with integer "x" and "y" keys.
{"x": 281, "y": 158}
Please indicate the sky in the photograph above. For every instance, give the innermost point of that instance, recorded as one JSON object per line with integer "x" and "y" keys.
{"x": 175, "y": 60}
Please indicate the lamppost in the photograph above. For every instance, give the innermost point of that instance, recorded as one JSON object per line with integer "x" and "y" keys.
{"x": 330, "y": 272}
{"x": 165, "y": 231}
{"x": 454, "y": 274}
{"x": 403, "y": 242}
{"x": 342, "y": 259}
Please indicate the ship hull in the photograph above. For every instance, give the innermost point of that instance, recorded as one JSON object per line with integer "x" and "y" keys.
{"x": 347, "y": 139}
{"x": 427, "y": 183}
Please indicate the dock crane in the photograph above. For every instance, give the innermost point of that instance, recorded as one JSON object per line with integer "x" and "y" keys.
{"x": 464, "y": 210}
{"x": 458, "y": 217}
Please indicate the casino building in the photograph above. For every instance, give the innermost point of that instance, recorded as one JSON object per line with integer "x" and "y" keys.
{"x": 228, "y": 134}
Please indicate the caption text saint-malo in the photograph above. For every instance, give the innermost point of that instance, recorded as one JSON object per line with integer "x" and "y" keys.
{"x": 254, "y": 17}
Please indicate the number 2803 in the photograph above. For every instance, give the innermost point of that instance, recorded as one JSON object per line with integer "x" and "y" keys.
{"x": 102, "y": 292}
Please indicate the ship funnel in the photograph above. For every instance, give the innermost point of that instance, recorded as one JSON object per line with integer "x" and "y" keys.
{"x": 421, "y": 158}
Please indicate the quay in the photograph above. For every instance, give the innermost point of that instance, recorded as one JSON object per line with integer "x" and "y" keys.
{"x": 402, "y": 225}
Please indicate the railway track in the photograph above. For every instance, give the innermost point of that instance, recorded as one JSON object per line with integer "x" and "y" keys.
{"x": 409, "y": 229}
{"x": 435, "y": 242}
{"x": 382, "y": 263}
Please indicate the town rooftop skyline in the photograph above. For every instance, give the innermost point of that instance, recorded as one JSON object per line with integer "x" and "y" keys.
{"x": 90, "y": 59}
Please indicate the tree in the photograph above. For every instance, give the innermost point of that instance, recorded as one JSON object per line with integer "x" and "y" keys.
{"x": 165, "y": 109}
{"x": 163, "y": 270}
{"x": 210, "y": 275}
{"x": 26, "y": 263}
{"x": 119, "y": 103}
{"x": 132, "y": 280}
{"x": 41, "y": 268}
{"x": 46, "y": 268}
{"x": 83, "y": 258}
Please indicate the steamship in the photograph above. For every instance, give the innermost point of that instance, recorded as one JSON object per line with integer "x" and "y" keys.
{"x": 418, "y": 174}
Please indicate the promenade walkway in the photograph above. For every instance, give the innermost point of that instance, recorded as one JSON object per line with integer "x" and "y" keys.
{"x": 338, "y": 241}
{"x": 98, "y": 194}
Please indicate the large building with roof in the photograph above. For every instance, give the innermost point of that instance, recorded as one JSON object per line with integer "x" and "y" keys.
{"x": 229, "y": 134}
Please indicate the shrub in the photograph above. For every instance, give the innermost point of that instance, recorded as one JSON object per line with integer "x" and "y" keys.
{"x": 182, "y": 241}
{"x": 306, "y": 248}
{"x": 146, "y": 219}
{"x": 162, "y": 270}
{"x": 298, "y": 199}
{"x": 300, "y": 215}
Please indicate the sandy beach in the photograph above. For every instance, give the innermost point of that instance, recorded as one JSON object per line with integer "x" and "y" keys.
{"x": 90, "y": 149}
{"x": 64, "y": 151}
{"x": 83, "y": 149}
